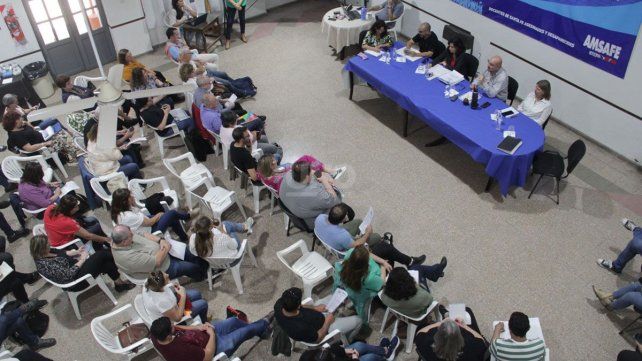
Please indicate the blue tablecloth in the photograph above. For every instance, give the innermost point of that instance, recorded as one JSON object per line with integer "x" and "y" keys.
{"x": 471, "y": 130}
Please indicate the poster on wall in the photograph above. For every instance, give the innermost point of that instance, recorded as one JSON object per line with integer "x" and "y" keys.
{"x": 599, "y": 32}
{"x": 13, "y": 25}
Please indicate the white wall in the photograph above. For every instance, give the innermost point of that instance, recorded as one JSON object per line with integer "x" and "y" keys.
{"x": 605, "y": 124}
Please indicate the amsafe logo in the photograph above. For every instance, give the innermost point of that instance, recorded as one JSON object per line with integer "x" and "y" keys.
{"x": 602, "y": 49}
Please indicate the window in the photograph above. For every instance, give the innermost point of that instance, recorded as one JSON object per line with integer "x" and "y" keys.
{"x": 49, "y": 20}
{"x": 93, "y": 15}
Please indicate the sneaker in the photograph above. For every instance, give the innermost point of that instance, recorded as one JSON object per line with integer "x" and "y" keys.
{"x": 392, "y": 348}
{"x": 339, "y": 172}
{"x": 33, "y": 305}
{"x": 122, "y": 287}
{"x": 606, "y": 263}
{"x": 18, "y": 234}
{"x": 43, "y": 343}
{"x": 248, "y": 224}
{"x": 385, "y": 342}
{"x": 604, "y": 297}
{"x": 628, "y": 224}
{"x": 417, "y": 261}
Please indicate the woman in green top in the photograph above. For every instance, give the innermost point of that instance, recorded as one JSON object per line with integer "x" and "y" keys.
{"x": 403, "y": 294}
{"x": 361, "y": 274}
{"x": 231, "y": 6}
{"x": 377, "y": 37}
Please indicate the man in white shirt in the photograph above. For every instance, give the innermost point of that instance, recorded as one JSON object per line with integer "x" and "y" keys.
{"x": 494, "y": 80}
{"x": 175, "y": 44}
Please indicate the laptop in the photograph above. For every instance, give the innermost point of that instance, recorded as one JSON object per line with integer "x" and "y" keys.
{"x": 197, "y": 20}
{"x": 351, "y": 14}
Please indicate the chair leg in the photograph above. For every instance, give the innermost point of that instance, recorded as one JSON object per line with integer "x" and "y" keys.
{"x": 271, "y": 203}
{"x": 59, "y": 164}
{"x": 238, "y": 203}
{"x": 256, "y": 191}
{"x": 385, "y": 319}
{"x": 103, "y": 286}
{"x": 225, "y": 158}
{"x": 160, "y": 147}
{"x": 557, "y": 186}
{"x": 249, "y": 251}
{"x": 307, "y": 289}
{"x": 630, "y": 324}
{"x": 395, "y": 328}
{"x": 314, "y": 241}
{"x": 412, "y": 328}
{"x": 286, "y": 221}
{"x": 209, "y": 277}
{"x": 535, "y": 186}
{"x": 73, "y": 298}
{"x": 236, "y": 274}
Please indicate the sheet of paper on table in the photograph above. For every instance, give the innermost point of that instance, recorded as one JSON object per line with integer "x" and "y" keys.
{"x": 509, "y": 133}
{"x": 367, "y": 220}
{"x": 337, "y": 299}
{"x": 401, "y": 51}
{"x": 372, "y": 52}
{"x": 437, "y": 71}
{"x": 453, "y": 77}
{"x": 421, "y": 69}
{"x": 400, "y": 59}
{"x": 533, "y": 333}
{"x": 452, "y": 93}
{"x": 469, "y": 96}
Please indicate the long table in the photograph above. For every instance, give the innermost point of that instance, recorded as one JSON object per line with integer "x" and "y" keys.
{"x": 472, "y": 130}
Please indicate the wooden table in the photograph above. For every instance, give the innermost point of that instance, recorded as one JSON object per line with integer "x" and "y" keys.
{"x": 198, "y": 40}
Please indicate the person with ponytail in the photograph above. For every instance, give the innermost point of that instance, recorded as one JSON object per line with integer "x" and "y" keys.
{"x": 213, "y": 238}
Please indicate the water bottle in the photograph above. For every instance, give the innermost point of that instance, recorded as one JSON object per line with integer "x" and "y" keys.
{"x": 500, "y": 119}
{"x": 388, "y": 56}
{"x": 447, "y": 90}
{"x": 364, "y": 11}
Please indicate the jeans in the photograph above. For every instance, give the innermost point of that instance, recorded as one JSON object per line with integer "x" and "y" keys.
{"x": 129, "y": 167}
{"x": 368, "y": 352}
{"x": 14, "y": 281}
{"x": 172, "y": 219}
{"x": 192, "y": 267}
{"x": 49, "y": 122}
{"x": 255, "y": 125}
{"x": 627, "y": 296}
{"x": 432, "y": 273}
{"x": 230, "y": 12}
{"x": 13, "y": 321}
{"x": 232, "y": 229}
{"x": 632, "y": 248}
{"x": 226, "y": 80}
{"x": 199, "y": 305}
{"x": 232, "y": 332}
{"x": 349, "y": 326}
{"x": 186, "y": 125}
{"x": 272, "y": 149}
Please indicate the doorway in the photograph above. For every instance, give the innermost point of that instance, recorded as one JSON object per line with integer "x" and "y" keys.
{"x": 62, "y": 34}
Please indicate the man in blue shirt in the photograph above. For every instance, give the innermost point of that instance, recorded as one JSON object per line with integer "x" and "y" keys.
{"x": 344, "y": 236}
{"x": 389, "y": 10}
{"x": 211, "y": 113}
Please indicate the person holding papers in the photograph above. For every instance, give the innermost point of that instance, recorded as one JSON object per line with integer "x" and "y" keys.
{"x": 158, "y": 116}
{"x": 124, "y": 211}
{"x": 213, "y": 238}
{"x": 342, "y": 234}
{"x": 537, "y": 104}
{"x": 518, "y": 347}
{"x": 456, "y": 58}
{"x": 35, "y": 193}
{"x": 450, "y": 340}
{"x": 164, "y": 298}
{"x": 311, "y": 323}
{"x": 426, "y": 40}
{"x": 494, "y": 80}
{"x": 377, "y": 38}
{"x": 405, "y": 295}
{"x": 62, "y": 266}
{"x": 139, "y": 255}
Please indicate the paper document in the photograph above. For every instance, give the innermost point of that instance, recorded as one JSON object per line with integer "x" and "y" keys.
{"x": 5, "y": 270}
{"x": 178, "y": 114}
{"x": 337, "y": 299}
{"x": 367, "y": 220}
{"x": 232, "y": 98}
{"x": 400, "y": 59}
{"x": 414, "y": 274}
{"x": 88, "y": 247}
{"x": 458, "y": 310}
{"x": 437, "y": 71}
{"x": 533, "y": 333}
{"x": 509, "y": 133}
{"x": 453, "y": 77}
{"x": 7, "y": 81}
{"x": 469, "y": 96}
{"x": 68, "y": 187}
{"x": 178, "y": 248}
{"x": 452, "y": 93}
{"x": 47, "y": 133}
{"x": 372, "y": 52}
{"x": 421, "y": 69}
{"x": 402, "y": 52}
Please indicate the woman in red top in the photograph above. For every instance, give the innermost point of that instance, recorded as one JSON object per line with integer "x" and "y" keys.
{"x": 456, "y": 58}
{"x": 61, "y": 227}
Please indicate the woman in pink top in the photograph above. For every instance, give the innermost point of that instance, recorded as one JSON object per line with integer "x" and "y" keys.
{"x": 271, "y": 174}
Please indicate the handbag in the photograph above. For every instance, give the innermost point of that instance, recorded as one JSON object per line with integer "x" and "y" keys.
{"x": 131, "y": 334}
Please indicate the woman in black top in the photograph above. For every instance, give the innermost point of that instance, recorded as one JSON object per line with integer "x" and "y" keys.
{"x": 450, "y": 340}
{"x": 456, "y": 58}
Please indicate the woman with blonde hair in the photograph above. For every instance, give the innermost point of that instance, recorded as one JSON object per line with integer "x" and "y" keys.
{"x": 537, "y": 104}
{"x": 212, "y": 237}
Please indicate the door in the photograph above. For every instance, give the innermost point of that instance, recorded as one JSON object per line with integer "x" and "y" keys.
{"x": 62, "y": 33}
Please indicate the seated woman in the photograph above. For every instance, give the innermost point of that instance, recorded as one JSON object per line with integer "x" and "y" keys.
{"x": 450, "y": 340}
{"x": 34, "y": 192}
{"x": 129, "y": 62}
{"x": 355, "y": 351}
{"x": 158, "y": 117}
{"x": 242, "y": 87}
{"x": 404, "y": 295}
{"x": 10, "y": 102}
{"x": 162, "y": 297}
{"x": 456, "y": 58}
{"x": 629, "y": 295}
{"x": 62, "y": 226}
{"x": 144, "y": 79}
{"x": 537, "y": 104}
{"x": 377, "y": 38}
{"x": 22, "y": 136}
{"x": 71, "y": 92}
{"x": 271, "y": 174}
{"x": 62, "y": 266}
{"x": 361, "y": 274}
{"x": 124, "y": 211}
{"x": 213, "y": 238}
{"x": 101, "y": 163}
{"x": 180, "y": 13}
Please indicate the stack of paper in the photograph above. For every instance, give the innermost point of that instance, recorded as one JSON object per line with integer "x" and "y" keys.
{"x": 179, "y": 114}
{"x": 437, "y": 71}
{"x": 337, "y": 299}
{"x": 453, "y": 77}
{"x": 373, "y": 53}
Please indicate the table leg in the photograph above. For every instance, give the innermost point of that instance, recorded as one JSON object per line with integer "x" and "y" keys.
{"x": 342, "y": 53}
{"x": 489, "y": 184}
{"x": 405, "y": 124}
{"x": 351, "y": 75}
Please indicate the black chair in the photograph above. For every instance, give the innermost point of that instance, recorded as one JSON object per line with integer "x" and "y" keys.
{"x": 296, "y": 222}
{"x": 361, "y": 36}
{"x": 513, "y": 85}
{"x": 546, "y": 121}
{"x": 451, "y": 32}
{"x": 472, "y": 68}
{"x": 551, "y": 164}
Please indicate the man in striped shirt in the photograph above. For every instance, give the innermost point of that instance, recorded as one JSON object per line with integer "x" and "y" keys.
{"x": 518, "y": 347}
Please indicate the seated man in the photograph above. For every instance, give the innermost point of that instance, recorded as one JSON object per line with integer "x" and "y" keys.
{"x": 308, "y": 323}
{"x": 14, "y": 322}
{"x": 175, "y": 44}
{"x": 138, "y": 256}
{"x": 494, "y": 80}
{"x": 518, "y": 347}
{"x": 429, "y": 45}
{"x": 240, "y": 154}
{"x": 307, "y": 195}
{"x": 388, "y": 10}
{"x": 343, "y": 236}
{"x": 205, "y": 85}
{"x": 203, "y": 342}
{"x": 158, "y": 117}
{"x": 211, "y": 113}
{"x": 633, "y": 248}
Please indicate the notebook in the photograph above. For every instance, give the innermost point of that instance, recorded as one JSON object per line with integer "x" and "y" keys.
{"x": 509, "y": 145}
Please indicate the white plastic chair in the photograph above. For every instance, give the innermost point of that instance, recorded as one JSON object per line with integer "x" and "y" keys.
{"x": 256, "y": 190}
{"x": 82, "y": 80}
{"x": 216, "y": 199}
{"x": 135, "y": 186}
{"x": 109, "y": 339}
{"x": 547, "y": 355}
{"x": 397, "y": 25}
{"x": 331, "y": 338}
{"x": 34, "y": 213}
{"x": 48, "y": 154}
{"x": 73, "y": 296}
{"x": 410, "y": 321}
{"x": 191, "y": 176}
{"x": 13, "y": 170}
{"x": 147, "y": 319}
{"x": 161, "y": 138}
{"x": 98, "y": 188}
{"x": 338, "y": 254}
{"x": 79, "y": 142}
{"x": 311, "y": 267}
{"x": 231, "y": 263}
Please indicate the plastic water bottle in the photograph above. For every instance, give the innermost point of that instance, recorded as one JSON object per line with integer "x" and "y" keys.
{"x": 388, "y": 57}
{"x": 499, "y": 121}
{"x": 364, "y": 11}
{"x": 447, "y": 90}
